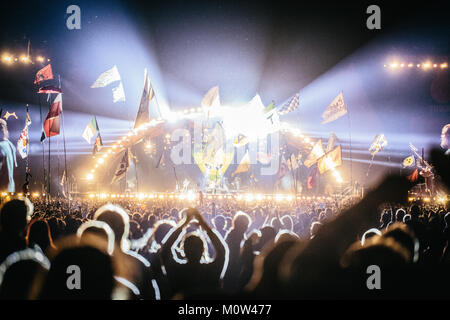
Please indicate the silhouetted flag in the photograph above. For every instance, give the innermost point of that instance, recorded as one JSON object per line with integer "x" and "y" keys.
{"x": 143, "y": 114}
{"x": 98, "y": 144}
{"x": 122, "y": 168}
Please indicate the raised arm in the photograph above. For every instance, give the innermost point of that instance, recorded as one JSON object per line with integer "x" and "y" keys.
{"x": 220, "y": 247}
{"x": 166, "y": 249}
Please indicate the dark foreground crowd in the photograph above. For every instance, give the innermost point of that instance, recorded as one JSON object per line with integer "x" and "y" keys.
{"x": 377, "y": 247}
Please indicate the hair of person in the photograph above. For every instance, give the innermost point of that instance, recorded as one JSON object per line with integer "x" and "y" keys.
{"x": 240, "y": 219}
{"x": 369, "y": 234}
{"x": 100, "y": 225}
{"x": 121, "y": 232}
{"x": 29, "y": 230}
{"x": 15, "y": 214}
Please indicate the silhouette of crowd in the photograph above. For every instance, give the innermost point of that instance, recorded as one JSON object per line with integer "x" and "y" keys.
{"x": 165, "y": 249}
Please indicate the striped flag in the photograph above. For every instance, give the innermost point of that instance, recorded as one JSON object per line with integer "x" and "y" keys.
{"x": 90, "y": 130}
{"x": 290, "y": 106}
{"x": 51, "y": 123}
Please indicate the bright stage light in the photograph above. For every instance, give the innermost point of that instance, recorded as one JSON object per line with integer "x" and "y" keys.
{"x": 444, "y": 65}
{"x": 40, "y": 59}
{"x": 426, "y": 199}
{"x": 279, "y": 197}
{"x": 101, "y": 161}
{"x": 89, "y": 176}
{"x": 410, "y": 65}
{"x": 426, "y": 65}
{"x": 249, "y": 197}
{"x": 394, "y": 65}
{"x": 7, "y": 58}
{"x": 259, "y": 197}
{"x": 91, "y": 195}
{"x": 24, "y": 59}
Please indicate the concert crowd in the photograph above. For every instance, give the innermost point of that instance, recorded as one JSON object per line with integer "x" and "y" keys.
{"x": 167, "y": 249}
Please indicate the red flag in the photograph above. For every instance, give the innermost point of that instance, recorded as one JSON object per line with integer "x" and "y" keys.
{"x": 413, "y": 176}
{"x": 51, "y": 123}
{"x": 49, "y": 89}
{"x": 44, "y": 74}
{"x": 311, "y": 180}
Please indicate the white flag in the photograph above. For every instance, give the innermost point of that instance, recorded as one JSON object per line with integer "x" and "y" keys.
{"x": 118, "y": 93}
{"x": 211, "y": 98}
{"x": 106, "y": 78}
{"x": 335, "y": 110}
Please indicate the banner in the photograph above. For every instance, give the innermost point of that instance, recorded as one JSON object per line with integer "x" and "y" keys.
{"x": 335, "y": 110}
{"x": 23, "y": 144}
{"x": 107, "y": 78}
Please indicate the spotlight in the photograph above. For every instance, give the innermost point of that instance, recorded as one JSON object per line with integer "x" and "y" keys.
{"x": 7, "y": 58}
{"x": 101, "y": 160}
{"x": 394, "y": 65}
{"x": 24, "y": 59}
{"x": 426, "y": 65}
{"x": 444, "y": 65}
{"x": 410, "y": 65}
{"x": 89, "y": 176}
{"x": 435, "y": 65}
{"x": 402, "y": 65}
{"x": 40, "y": 59}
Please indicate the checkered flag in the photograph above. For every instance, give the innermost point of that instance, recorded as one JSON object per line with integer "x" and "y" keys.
{"x": 291, "y": 106}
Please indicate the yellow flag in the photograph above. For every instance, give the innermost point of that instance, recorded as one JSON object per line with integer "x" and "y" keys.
{"x": 244, "y": 165}
{"x": 314, "y": 155}
{"x": 331, "y": 160}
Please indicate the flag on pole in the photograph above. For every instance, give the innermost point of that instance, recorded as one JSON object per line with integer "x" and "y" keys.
{"x": 107, "y": 78}
{"x": 90, "y": 130}
{"x": 291, "y": 106}
{"x": 332, "y": 140}
{"x": 122, "y": 168}
{"x": 44, "y": 74}
{"x": 161, "y": 160}
{"x": 51, "y": 123}
{"x": 49, "y": 89}
{"x": 378, "y": 144}
{"x": 330, "y": 160}
{"x": 311, "y": 180}
{"x": 315, "y": 154}
{"x": 118, "y": 93}
{"x": 408, "y": 162}
{"x": 211, "y": 98}
{"x": 270, "y": 107}
{"x": 284, "y": 169}
{"x": 23, "y": 144}
{"x": 98, "y": 144}
{"x": 143, "y": 114}
{"x": 335, "y": 110}
{"x": 244, "y": 165}
{"x": 292, "y": 162}
{"x": 413, "y": 176}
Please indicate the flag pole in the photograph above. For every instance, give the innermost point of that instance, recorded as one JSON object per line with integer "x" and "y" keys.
{"x": 43, "y": 147}
{"x": 65, "y": 154}
{"x": 350, "y": 145}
